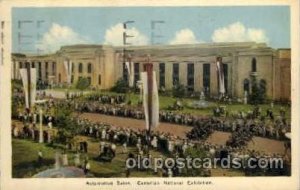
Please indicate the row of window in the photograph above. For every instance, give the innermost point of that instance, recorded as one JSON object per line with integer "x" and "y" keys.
{"x": 80, "y": 68}
{"x": 190, "y": 75}
{"x": 38, "y": 65}
{"x": 175, "y": 75}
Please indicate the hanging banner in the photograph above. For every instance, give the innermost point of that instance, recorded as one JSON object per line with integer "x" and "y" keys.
{"x": 25, "y": 81}
{"x": 220, "y": 72}
{"x": 68, "y": 67}
{"x": 155, "y": 103}
{"x": 144, "y": 79}
{"x": 130, "y": 69}
{"x": 33, "y": 86}
{"x": 24, "y": 77}
{"x": 155, "y": 100}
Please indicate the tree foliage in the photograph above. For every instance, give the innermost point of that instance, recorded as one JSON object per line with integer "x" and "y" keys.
{"x": 67, "y": 127}
{"x": 121, "y": 86}
{"x": 82, "y": 83}
{"x": 258, "y": 91}
{"x": 178, "y": 91}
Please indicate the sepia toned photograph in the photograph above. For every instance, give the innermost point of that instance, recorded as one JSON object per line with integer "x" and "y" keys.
{"x": 150, "y": 92}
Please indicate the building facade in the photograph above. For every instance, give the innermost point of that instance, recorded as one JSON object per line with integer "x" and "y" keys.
{"x": 193, "y": 66}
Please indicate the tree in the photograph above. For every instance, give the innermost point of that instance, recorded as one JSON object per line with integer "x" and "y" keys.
{"x": 120, "y": 86}
{"x": 83, "y": 83}
{"x": 178, "y": 91}
{"x": 258, "y": 91}
{"x": 67, "y": 127}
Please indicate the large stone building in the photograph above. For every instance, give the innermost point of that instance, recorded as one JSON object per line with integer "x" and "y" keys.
{"x": 194, "y": 66}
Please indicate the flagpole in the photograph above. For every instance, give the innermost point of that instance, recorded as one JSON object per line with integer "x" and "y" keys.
{"x": 148, "y": 67}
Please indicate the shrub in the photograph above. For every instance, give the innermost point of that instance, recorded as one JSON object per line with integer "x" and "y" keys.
{"x": 178, "y": 91}
{"x": 120, "y": 86}
{"x": 258, "y": 91}
{"x": 82, "y": 83}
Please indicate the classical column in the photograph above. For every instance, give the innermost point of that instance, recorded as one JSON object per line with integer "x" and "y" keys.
{"x": 198, "y": 77}
{"x": 168, "y": 75}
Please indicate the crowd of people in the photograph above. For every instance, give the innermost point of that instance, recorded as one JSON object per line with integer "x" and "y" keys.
{"x": 112, "y": 136}
{"x": 242, "y": 126}
{"x": 106, "y": 99}
{"x": 265, "y": 125}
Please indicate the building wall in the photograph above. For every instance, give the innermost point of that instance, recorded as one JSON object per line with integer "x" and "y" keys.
{"x": 273, "y": 66}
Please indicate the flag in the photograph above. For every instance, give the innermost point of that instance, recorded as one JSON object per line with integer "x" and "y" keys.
{"x": 145, "y": 97}
{"x": 33, "y": 86}
{"x": 130, "y": 70}
{"x": 220, "y": 73}
{"x": 25, "y": 81}
{"x": 68, "y": 67}
{"x": 155, "y": 100}
{"x": 24, "y": 77}
{"x": 155, "y": 103}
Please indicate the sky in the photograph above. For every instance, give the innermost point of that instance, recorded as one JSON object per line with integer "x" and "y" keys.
{"x": 182, "y": 25}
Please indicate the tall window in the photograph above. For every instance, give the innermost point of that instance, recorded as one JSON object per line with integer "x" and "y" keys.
{"x": 40, "y": 70}
{"x": 32, "y": 65}
{"x": 99, "y": 79}
{"x": 80, "y": 68}
{"x": 89, "y": 68}
{"x": 73, "y": 67}
{"x": 206, "y": 78}
{"x": 190, "y": 77}
{"x": 225, "y": 70}
{"x": 53, "y": 68}
{"x": 20, "y": 65}
{"x": 253, "y": 65}
{"x": 175, "y": 74}
{"x": 59, "y": 78}
{"x": 46, "y": 68}
{"x": 136, "y": 72}
{"x": 162, "y": 73}
{"x": 125, "y": 73}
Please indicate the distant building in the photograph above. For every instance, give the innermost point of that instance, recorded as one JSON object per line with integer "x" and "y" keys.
{"x": 194, "y": 66}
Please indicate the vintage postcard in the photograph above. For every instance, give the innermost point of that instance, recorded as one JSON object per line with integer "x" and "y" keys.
{"x": 149, "y": 95}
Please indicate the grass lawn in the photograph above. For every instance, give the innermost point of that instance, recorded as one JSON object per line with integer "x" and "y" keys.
{"x": 166, "y": 101}
{"x": 25, "y": 154}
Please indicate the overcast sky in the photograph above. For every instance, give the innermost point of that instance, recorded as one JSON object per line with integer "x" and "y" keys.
{"x": 182, "y": 25}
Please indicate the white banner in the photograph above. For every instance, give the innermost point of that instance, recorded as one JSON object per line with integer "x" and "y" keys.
{"x": 33, "y": 86}
{"x": 155, "y": 103}
{"x": 144, "y": 79}
{"x": 68, "y": 67}
{"x": 155, "y": 100}
{"x": 24, "y": 77}
{"x": 130, "y": 69}
{"x": 221, "y": 78}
